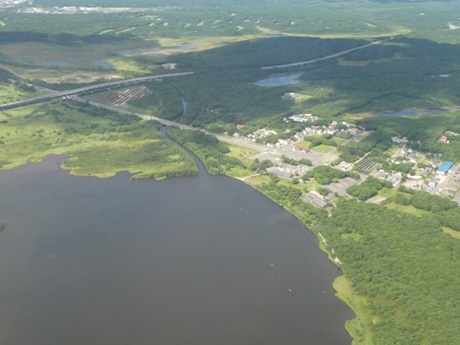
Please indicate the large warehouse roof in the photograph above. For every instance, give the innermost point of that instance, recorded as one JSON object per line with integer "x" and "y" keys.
{"x": 445, "y": 167}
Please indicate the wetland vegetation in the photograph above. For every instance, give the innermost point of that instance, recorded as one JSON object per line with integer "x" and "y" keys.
{"x": 98, "y": 142}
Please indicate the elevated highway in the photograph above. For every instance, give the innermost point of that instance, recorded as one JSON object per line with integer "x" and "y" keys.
{"x": 87, "y": 89}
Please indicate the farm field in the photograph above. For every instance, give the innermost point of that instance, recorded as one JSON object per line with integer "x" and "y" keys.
{"x": 366, "y": 166}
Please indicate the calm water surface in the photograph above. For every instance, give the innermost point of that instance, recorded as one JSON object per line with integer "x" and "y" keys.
{"x": 198, "y": 260}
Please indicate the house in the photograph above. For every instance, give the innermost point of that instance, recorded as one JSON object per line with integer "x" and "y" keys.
{"x": 315, "y": 199}
{"x": 344, "y": 166}
{"x": 443, "y": 139}
{"x": 298, "y": 119}
{"x": 282, "y": 142}
{"x": 169, "y": 66}
{"x": 301, "y": 149}
{"x": 426, "y": 171}
{"x": 430, "y": 184}
{"x": 280, "y": 172}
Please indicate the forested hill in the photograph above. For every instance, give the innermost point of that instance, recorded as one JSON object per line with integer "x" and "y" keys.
{"x": 405, "y": 268}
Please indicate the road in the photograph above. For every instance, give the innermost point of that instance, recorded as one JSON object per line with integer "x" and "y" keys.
{"x": 138, "y": 80}
{"x": 228, "y": 139}
{"x": 118, "y": 83}
{"x": 332, "y": 56}
{"x": 87, "y": 89}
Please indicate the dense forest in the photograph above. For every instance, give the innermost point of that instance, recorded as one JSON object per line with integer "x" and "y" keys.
{"x": 406, "y": 269}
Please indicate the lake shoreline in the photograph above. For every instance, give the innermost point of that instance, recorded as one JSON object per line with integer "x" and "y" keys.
{"x": 52, "y": 162}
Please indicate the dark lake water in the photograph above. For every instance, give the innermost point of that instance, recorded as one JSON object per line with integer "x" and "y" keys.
{"x": 197, "y": 260}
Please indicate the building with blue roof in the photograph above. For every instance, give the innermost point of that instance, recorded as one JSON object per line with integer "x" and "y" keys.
{"x": 444, "y": 168}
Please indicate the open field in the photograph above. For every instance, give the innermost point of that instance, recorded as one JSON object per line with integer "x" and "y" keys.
{"x": 12, "y": 93}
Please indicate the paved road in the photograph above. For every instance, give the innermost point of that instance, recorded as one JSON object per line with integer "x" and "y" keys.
{"x": 138, "y": 80}
{"x": 332, "y": 56}
{"x": 86, "y": 89}
{"x": 118, "y": 83}
{"x": 231, "y": 140}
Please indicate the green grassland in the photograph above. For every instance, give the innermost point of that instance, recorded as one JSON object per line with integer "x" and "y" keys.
{"x": 98, "y": 142}
{"x": 12, "y": 93}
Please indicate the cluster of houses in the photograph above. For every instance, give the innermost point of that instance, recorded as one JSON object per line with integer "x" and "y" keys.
{"x": 261, "y": 133}
{"x": 331, "y": 129}
{"x": 405, "y": 156}
{"x": 399, "y": 140}
{"x": 287, "y": 170}
{"x": 427, "y": 180}
{"x": 393, "y": 177}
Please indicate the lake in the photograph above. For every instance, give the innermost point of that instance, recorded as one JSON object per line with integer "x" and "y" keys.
{"x": 192, "y": 260}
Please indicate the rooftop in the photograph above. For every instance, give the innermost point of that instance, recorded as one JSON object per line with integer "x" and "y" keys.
{"x": 315, "y": 199}
{"x": 445, "y": 167}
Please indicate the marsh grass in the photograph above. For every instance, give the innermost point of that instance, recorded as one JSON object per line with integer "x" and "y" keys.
{"x": 97, "y": 141}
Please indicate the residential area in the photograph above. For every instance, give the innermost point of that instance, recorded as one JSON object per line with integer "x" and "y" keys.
{"x": 294, "y": 155}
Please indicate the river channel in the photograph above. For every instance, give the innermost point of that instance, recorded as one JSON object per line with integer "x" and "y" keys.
{"x": 199, "y": 260}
